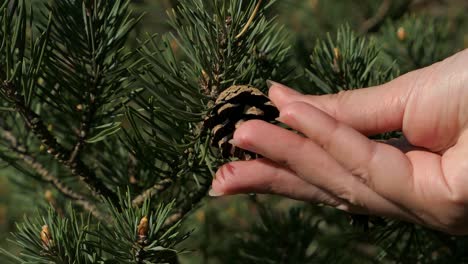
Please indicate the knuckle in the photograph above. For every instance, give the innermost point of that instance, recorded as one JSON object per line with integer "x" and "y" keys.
{"x": 362, "y": 175}
{"x": 221, "y": 176}
{"x": 458, "y": 195}
{"x": 246, "y": 133}
{"x": 293, "y": 109}
{"x": 349, "y": 195}
{"x": 335, "y": 131}
{"x": 324, "y": 102}
{"x": 248, "y": 127}
{"x": 361, "y": 169}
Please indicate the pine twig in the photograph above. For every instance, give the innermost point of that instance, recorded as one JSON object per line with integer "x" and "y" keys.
{"x": 378, "y": 18}
{"x": 47, "y": 176}
{"x": 60, "y": 153}
{"x": 151, "y": 192}
{"x": 419, "y": 4}
{"x": 83, "y": 131}
{"x": 374, "y": 23}
{"x": 187, "y": 206}
{"x": 88, "y": 114}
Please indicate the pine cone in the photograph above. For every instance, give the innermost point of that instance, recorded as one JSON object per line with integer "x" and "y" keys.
{"x": 235, "y": 105}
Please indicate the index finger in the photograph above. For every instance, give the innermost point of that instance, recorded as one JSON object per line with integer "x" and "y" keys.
{"x": 313, "y": 164}
{"x": 370, "y": 111}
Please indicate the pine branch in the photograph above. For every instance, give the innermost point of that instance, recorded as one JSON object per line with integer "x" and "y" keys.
{"x": 88, "y": 66}
{"x": 418, "y": 41}
{"x": 27, "y": 158}
{"x": 137, "y": 234}
{"x": 83, "y": 132}
{"x": 347, "y": 62}
{"x": 84, "y": 128}
{"x": 187, "y": 205}
{"x": 280, "y": 237}
{"x": 151, "y": 192}
{"x": 373, "y": 22}
{"x": 53, "y": 238}
{"x": 420, "y": 4}
{"x": 60, "y": 153}
{"x": 388, "y": 9}
{"x": 242, "y": 46}
{"x": 47, "y": 176}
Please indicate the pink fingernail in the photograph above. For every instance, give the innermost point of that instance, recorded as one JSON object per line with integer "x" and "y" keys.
{"x": 270, "y": 83}
{"x": 285, "y": 89}
{"x": 234, "y": 142}
{"x": 280, "y": 119}
{"x": 230, "y": 168}
{"x": 343, "y": 207}
{"x": 213, "y": 193}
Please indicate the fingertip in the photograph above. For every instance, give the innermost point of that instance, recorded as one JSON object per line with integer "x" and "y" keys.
{"x": 281, "y": 94}
{"x": 244, "y": 136}
{"x": 290, "y": 113}
{"x": 241, "y": 177}
{"x": 263, "y": 176}
{"x": 214, "y": 193}
{"x": 221, "y": 181}
{"x": 270, "y": 83}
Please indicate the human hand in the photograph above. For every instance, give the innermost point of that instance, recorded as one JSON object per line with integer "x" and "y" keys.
{"x": 422, "y": 178}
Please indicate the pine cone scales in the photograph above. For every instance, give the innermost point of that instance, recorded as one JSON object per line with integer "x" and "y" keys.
{"x": 235, "y": 105}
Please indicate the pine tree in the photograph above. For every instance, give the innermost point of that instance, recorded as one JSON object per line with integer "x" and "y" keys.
{"x": 115, "y": 135}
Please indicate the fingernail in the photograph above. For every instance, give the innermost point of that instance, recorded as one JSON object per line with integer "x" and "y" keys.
{"x": 229, "y": 167}
{"x": 280, "y": 119}
{"x": 234, "y": 142}
{"x": 342, "y": 207}
{"x": 270, "y": 83}
{"x": 213, "y": 193}
{"x": 286, "y": 90}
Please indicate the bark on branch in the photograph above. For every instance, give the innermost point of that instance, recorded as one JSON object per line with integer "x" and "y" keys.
{"x": 378, "y": 18}
{"x": 47, "y": 176}
{"x": 191, "y": 202}
{"x": 151, "y": 192}
{"x": 60, "y": 153}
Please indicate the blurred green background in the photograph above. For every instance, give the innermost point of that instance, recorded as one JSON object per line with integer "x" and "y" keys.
{"x": 217, "y": 221}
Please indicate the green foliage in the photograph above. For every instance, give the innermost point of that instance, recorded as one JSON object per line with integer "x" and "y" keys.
{"x": 68, "y": 238}
{"x": 87, "y": 69}
{"x": 347, "y": 62}
{"x": 73, "y": 73}
{"x": 418, "y": 41}
{"x": 279, "y": 238}
{"x": 22, "y": 55}
{"x": 123, "y": 243}
{"x": 54, "y": 239}
{"x": 234, "y": 50}
{"x": 178, "y": 94}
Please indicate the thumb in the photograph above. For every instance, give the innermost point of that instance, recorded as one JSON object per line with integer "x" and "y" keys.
{"x": 370, "y": 111}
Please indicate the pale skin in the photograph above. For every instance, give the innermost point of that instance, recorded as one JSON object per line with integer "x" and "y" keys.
{"x": 422, "y": 178}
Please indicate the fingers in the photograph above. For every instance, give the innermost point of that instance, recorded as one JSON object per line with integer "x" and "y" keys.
{"x": 314, "y": 165}
{"x": 370, "y": 111}
{"x": 382, "y": 167}
{"x": 264, "y": 176}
